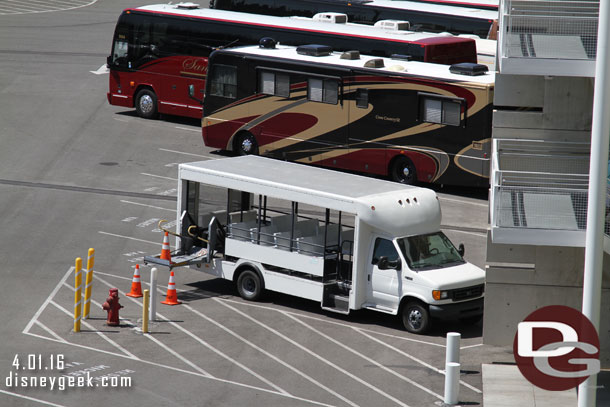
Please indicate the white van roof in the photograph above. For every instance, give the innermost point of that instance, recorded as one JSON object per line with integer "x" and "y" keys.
{"x": 399, "y": 209}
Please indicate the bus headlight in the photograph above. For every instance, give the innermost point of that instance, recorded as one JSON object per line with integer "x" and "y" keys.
{"x": 440, "y": 295}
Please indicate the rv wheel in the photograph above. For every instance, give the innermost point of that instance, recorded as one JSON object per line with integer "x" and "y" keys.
{"x": 146, "y": 104}
{"x": 415, "y": 317}
{"x": 245, "y": 144}
{"x": 403, "y": 171}
{"x": 249, "y": 285}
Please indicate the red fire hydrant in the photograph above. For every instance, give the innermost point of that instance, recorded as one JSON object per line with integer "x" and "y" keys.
{"x": 112, "y": 306}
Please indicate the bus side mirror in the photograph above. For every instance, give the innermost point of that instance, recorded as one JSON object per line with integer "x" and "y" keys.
{"x": 461, "y": 249}
{"x": 109, "y": 61}
{"x": 384, "y": 264}
{"x": 192, "y": 94}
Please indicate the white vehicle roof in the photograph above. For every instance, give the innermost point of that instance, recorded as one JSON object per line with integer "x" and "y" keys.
{"x": 391, "y": 66}
{"x": 300, "y": 24}
{"x": 398, "y": 209}
{"x": 452, "y": 9}
{"x": 466, "y": 3}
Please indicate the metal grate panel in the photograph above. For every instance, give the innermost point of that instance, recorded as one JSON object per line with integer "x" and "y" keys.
{"x": 546, "y": 29}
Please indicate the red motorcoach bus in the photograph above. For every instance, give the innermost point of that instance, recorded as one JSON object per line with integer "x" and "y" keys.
{"x": 160, "y": 51}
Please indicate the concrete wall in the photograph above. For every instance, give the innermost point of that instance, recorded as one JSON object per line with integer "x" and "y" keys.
{"x": 522, "y": 278}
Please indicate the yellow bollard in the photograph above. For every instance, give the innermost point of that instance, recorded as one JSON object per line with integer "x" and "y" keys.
{"x": 146, "y": 301}
{"x": 78, "y": 281}
{"x": 88, "y": 282}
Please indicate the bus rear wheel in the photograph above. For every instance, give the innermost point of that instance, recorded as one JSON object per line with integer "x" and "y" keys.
{"x": 245, "y": 144}
{"x": 146, "y": 104}
{"x": 249, "y": 285}
{"x": 403, "y": 171}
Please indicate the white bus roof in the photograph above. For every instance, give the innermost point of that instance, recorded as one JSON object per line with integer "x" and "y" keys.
{"x": 396, "y": 206}
{"x": 465, "y": 3}
{"x": 361, "y": 30}
{"x": 391, "y": 66}
{"x": 449, "y": 9}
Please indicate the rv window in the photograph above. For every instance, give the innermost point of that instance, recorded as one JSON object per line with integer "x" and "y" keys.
{"x": 323, "y": 90}
{"x": 223, "y": 81}
{"x": 275, "y": 84}
{"x": 362, "y": 98}
{"x": 441, "y": 111}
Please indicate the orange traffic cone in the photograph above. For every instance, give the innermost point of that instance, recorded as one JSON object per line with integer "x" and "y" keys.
{"x": 172, "y": 297}
{"x": 136, "y": 286}
{"x": 165, "y": 254}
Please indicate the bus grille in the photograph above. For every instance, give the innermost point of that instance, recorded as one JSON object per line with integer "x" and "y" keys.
{"x": 474, "y": 291}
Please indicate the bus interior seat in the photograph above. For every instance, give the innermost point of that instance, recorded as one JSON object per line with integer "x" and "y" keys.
{"x": 307, "y": 227}
{"x": 282, "y": 223}
{"x": 245, "y": 216}
{"x": 267, "y": 232}
{"x": 310, "y": 245}
{"x": 241, "y": 230}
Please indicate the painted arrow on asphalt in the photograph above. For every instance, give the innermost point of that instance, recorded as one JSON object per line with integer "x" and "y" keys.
{"x": 101, "y": 70}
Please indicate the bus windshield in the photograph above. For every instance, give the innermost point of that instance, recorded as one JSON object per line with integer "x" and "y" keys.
{"x": 430, "y": 251}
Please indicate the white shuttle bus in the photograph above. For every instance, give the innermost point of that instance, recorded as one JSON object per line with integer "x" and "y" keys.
{"x": 343, "y": 240}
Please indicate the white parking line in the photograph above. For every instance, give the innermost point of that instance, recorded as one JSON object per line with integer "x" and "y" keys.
{"x": 275, "y": 358}
{"x": 379, "y": 365}
{"x": 43, "y": 326}
{"x": 177, "y": 355}
{"x": 416, "y": 360}
{"x": 130, "y": 238}
{"x": 48, "y": 403}
{"x": 207, "y": 345}
{"x": 188, "y": 129}
{"x": 47, "y": 301}
{"x": 148, "y": 206}
{"x": 334, "y": 323}
{"x": 91, "y": 327}
{"x": 315, "y": 355}
{"x": 158, "y": 176}
{"x": 184, "y": 153}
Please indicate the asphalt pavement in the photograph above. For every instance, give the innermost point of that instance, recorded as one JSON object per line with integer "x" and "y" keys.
{"x": 77, "y": 173}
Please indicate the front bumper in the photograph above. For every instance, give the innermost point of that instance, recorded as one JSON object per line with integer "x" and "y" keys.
{"x": 459, "y": 310}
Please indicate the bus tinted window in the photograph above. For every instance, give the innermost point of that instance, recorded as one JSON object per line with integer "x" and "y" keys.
{"x": 441, "y": 111}
{"x": 223, "y": 81}
{"x": 323, "y": 90}
{"x": 275, "y": 84}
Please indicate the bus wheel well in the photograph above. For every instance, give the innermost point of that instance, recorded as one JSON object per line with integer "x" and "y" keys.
{"x": 244, "y": 143}
{"x": 402, "y": 169}
{"x": 145, "y": 101}
{"x": 249, "y": 281}
{"x": 415, "y": 315}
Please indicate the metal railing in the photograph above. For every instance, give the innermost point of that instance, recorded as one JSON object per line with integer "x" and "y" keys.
{"x": 545, "y": 29}
{"x": 541, "y": 185}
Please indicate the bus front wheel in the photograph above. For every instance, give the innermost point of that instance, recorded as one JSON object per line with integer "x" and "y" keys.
{"x": 415, "y": 317}
{"x": 246, "y": 144}
{"x": 403, "y": 171}
{"x": 249, "y": 285}
{"x": 146, "y": 104}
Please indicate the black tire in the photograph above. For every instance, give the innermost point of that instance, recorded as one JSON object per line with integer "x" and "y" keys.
{"x": 146, "y": 104}
{"x": 245, "y": 144}
{"x": 249, "y": 285}
{"x": 403, "y": 170}
{"x": 415, "y": 317}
